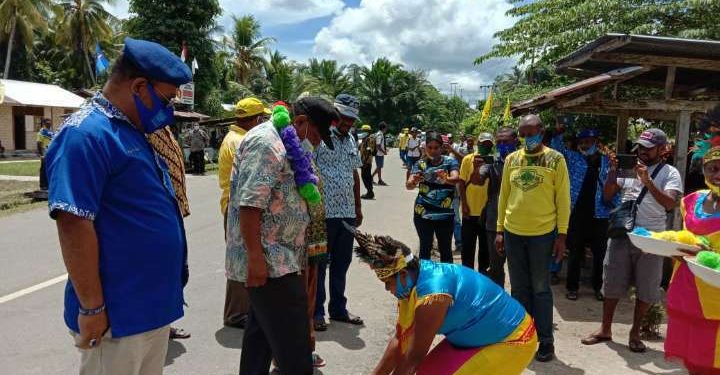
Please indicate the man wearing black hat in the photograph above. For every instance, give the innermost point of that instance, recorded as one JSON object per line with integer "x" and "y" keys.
{"x": 588, "y": 170}
{"x": 267, "y": 220}
{"x": 655, "y": 191}
{"x": 338, "y": 168}
{"x": 44, "y": 136}
{"x": 119, "y": 223}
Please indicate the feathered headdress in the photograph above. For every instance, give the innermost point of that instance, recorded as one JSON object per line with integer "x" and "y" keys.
{"x": 384, "y": 254}
{"x": 708, "y": 149}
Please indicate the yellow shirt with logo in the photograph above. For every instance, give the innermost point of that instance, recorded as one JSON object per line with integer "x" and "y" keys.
{"x": 534, "y": 194}
{"x": 226, "y": 156}
{"x": 476, "y": 196}
{"x": 403, "y": 141}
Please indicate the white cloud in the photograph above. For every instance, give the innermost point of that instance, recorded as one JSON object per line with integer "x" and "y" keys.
{"x": 280, "y": 12}
{"x": 268, "y": 12}
{"x": 440, "y": 37}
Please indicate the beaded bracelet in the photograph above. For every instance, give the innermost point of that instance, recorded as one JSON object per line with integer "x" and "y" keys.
{"x": 89, "y": 312}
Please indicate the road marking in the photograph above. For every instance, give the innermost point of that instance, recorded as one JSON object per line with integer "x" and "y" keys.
{"x": 31, "y": 289}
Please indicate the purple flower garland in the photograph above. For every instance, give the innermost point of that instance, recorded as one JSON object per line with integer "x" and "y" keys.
{"x": 299, "y": 158}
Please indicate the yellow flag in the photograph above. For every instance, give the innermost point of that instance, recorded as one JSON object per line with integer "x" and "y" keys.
{"x": 507, "y": 117}
{"x": 487, "y": 108}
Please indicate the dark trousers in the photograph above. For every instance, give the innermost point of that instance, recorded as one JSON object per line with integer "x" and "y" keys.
{"x": 366, "y": 175}
{"x": 43, "y": 175}
{"x": 529, "y": 260}
{"x": 236, "y": 303}
{"x": 593, "y": 232}
{"x": 429, "y": 230}
{"x": 339, "y": 257}
{"x": 197, "y": 160}
{"x": 278, "y": 327}
{"x": 473, "y": 236}
{"x": 496, "y": 271}
{"x": 403, "y": 156}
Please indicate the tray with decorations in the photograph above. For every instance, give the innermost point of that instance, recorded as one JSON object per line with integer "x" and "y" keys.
{"x": 706, "y": 266}
{"x": 667, "y": 243}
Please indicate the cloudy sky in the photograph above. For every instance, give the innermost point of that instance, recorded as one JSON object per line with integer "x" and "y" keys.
{"x": 441, "y": 37}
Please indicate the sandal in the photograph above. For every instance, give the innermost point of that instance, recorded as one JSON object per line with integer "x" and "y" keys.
{"x": 571, "y": 295}
{"x": 317, "y": 361}
{"x": 178, "y": 334}
{"x": 637, "y": 346}
{"x": 349, "y": 318}
{"x": 595, "y": 339}
{"x": 320, "y": 325}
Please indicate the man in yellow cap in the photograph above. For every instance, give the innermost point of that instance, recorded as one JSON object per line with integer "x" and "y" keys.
{"x": 403, "y": 145}
{"x": 249, "y": 113}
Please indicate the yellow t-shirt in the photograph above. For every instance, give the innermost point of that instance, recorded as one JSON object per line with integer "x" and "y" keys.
{"x": 534, "y": 194}
{"x": 475, "y": 195}
{"x": 403, "y": 141}
{"x": 226, "y": 155}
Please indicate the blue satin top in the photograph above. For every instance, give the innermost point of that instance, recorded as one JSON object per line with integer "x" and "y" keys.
{"x": 481, "y": 313}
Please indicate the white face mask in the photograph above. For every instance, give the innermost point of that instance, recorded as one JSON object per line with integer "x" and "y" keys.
{"x": 307, "y": 145}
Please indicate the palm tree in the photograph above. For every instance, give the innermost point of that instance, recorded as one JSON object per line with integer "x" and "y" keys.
{"x": 249, "y": 48}
{"x": 21, "y": 17}
{"x": 332, "y": 77}
{"x": 83, "y": 23}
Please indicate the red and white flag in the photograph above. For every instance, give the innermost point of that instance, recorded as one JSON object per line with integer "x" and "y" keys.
{"x": 184, "y": 52}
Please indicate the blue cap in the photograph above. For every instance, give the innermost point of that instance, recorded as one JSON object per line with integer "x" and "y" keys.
{"x": 156, "y": 62}
{"x": 589, "y": 133}
{"x": 348, "y": 106}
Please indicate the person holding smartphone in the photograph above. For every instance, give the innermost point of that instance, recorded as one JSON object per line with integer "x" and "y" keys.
{"x": 624, "y": 263}
{"x": 474, "y": 197}
{"x": 435, "y": 177}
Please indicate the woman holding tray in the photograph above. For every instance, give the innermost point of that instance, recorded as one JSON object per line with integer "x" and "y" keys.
{"x": 693, "y": 305}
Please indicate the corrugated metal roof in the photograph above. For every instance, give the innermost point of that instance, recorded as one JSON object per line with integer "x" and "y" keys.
{"x": 665, "y": 51}
{"x": 576, "y": 89}
{"x": 39, "y": 94}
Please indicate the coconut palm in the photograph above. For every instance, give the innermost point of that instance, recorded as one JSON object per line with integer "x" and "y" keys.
{"x": 82, "y": 24}
{"x": 249, "y": 48}
{"x": 331, "y": 76}
{"x": 21, "y": 18}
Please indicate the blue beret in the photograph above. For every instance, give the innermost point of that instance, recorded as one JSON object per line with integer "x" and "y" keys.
{"x": 156, "y": 62}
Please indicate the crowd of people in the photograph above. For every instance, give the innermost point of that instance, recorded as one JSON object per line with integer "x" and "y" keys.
{"x": 290, "y": 203}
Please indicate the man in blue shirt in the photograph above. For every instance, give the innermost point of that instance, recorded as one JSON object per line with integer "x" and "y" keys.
{"x": 338, "y": 168}
{"x": 118, "y": 221}
{"x": 588, "y": 170}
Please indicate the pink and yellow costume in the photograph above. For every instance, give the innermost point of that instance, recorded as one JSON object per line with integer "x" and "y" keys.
{"x": 693, "y": 306}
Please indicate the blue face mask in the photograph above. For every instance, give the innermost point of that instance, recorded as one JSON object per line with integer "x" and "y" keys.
{"x": 591, "y": 150}
{"x": 156, "y": 117}
{"x": 505, "y": 149}
{"x": 402, "y": 292}
{"x": 532, "y": 142}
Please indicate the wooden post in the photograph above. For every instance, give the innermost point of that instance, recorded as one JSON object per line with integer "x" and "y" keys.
{"x": 682, "y": 130}
{"x": 621, "y": 135}
{"x": 670, "y": 82}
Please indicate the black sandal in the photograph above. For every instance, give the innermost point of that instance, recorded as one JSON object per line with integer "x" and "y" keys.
{"x": 350, "y": 319}
{"x": 178, "y": 334}
{"x": 320, "y": 325}
{"x": 572, "y": 295}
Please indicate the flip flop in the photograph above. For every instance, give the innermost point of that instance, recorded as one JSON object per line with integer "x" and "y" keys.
{"x": 595, "y": 339}
{"x": 349, "y": 318}
{"x": 637, "y": 346}
{"x": 178, "y": 334}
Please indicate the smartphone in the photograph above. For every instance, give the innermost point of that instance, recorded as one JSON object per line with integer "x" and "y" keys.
{"x": 626, "y": 165}
{"x": 488, "y": 159}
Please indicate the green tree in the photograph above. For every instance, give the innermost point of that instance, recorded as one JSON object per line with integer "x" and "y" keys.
{"x": 20, "y": 18}
{"x": 172, "y": 22}
{"x": 330, "y": 76}
{"x": 81, "y": 25}
{"x": 547, "y": 30}
{"x": 249, "y": 47}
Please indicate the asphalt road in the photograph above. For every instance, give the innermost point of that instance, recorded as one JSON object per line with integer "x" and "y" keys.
{"x": 34, "y": 340}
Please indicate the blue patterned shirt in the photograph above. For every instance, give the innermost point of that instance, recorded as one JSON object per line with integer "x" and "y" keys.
{"x": 577, "y": 168}
{"x": 263, "y": 178}
{"x": 336, "y": 169}
{"x": 101, "y": 168}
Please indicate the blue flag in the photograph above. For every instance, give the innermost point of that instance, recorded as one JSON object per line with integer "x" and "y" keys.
{"x": 101, "y": 62}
